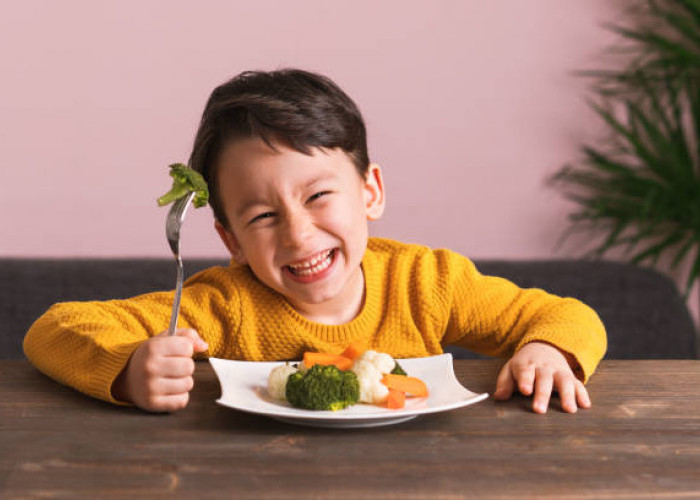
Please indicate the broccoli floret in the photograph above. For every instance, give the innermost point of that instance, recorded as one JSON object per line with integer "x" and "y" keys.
{"x": 323, "y": 388}
{"x": 398, "y": 370}
{"x": 185, "y": 180}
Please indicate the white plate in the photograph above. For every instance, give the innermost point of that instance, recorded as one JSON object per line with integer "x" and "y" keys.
{"x": 244, "y": 388}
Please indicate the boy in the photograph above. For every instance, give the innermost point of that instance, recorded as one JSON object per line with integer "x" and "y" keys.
{"x": 292, "y": 188}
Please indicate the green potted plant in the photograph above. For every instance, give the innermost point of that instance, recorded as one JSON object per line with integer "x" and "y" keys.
{"x": 640, "y": 187}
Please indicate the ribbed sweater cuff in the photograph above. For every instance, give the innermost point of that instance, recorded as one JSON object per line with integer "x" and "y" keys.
{"x": 105, "y": 372}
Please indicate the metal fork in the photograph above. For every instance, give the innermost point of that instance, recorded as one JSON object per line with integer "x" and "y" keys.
{"x": 172, "y": 231}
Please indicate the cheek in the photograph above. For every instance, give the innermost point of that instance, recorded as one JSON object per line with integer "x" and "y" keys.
{"x": 257, "y": 247}
{"x": 349, "y": 223}
{"x": 342, "y": 219}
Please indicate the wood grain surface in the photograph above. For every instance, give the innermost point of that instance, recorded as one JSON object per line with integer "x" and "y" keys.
{"x": 641, "y": 439}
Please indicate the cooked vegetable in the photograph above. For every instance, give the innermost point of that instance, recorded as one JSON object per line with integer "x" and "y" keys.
{"x": 323, "y": 387}
{"x": 325, "y": 358}
{"x": 381, "y": 360}
{"x": 277, "y": 380}
{"x": 326, "y": 381}
{"x": 370, "y": 379}
{"x": 370, "y": 368}
{"x": 355, "y": 349}
{"x": 410, "y": 385}
{"x": 396, "y": 399}
{"x": 185, "y": 180}
{"x": 398, "y": 370}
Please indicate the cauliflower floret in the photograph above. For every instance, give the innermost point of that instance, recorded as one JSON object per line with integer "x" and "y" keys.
{"x": 370, "y": 378}
{"x": 381, "y": 360}
{"x": 277, "y": 380}
{"x": 370, "y": 368}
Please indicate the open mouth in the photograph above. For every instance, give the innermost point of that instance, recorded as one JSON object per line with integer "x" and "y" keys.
{"x": 313, "y": 266}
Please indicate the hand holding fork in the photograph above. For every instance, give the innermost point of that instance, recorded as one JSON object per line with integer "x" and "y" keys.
{"x": 153, "y": 378}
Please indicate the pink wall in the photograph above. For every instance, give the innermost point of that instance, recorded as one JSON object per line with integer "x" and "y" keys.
{"x": 469, "y": 106}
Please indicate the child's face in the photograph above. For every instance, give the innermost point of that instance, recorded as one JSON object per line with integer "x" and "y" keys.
{"x": 299, "y": 221}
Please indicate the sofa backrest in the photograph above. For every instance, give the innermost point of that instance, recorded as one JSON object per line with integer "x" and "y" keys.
{"x": 642, "y": 310}
{"x": 644, "y": 314}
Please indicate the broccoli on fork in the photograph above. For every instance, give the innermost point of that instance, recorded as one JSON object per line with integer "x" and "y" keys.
{"x": 185, "y": 180}
{"x": 323, "y": 387}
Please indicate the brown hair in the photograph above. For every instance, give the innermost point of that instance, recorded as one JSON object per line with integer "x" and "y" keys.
{"x": 299, "y": 109}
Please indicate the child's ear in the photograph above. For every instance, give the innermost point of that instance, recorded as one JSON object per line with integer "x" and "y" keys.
{"x": 374, "y": 192}
{"x": 231, "y": 243}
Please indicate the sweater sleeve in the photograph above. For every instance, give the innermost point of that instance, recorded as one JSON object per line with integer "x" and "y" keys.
{"x": 85, "y": 345}
{"x": 493, "y": 316}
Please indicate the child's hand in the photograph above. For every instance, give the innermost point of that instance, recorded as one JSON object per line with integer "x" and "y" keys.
{"x": 158, "y": 375}
{"x": 541, "y": 367}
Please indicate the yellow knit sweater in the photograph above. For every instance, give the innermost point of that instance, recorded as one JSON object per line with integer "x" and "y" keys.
{"x": 416, "y": 300}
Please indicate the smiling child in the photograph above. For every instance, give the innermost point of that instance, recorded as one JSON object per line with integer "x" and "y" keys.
{"x": 292, "y": 188}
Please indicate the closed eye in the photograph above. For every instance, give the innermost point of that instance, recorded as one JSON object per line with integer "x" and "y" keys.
{"x": 316, "y": 196}
{"x": 265, "y": 215}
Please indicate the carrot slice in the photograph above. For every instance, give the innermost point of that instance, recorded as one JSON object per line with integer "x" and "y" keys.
{"x": 396, "y": 399}
{"x": 410, "y": 385}
{"x": 355, "y": 349}
{"x": 326, "y": 358}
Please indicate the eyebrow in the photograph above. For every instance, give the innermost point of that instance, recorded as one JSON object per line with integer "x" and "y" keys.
{"x": 251, "y": 203}
{"x": 247, "y": 206}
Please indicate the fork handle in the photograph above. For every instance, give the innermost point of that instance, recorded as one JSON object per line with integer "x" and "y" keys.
{"x": 176, "y": 300}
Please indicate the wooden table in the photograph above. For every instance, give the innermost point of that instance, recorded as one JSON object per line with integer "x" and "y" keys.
{"x": 641, "y": 439}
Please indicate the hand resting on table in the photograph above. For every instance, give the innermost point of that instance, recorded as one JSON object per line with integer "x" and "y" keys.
{"x": 540, "y": 368}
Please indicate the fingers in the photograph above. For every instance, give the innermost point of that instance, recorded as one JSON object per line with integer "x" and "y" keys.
{"x": 541, "y": 382}
{"x": 198, "y": 344}
{"x": 185, "y": 342}
{"x": 584, "y": 401}
{"x": 539, "y": 369}
{"x": 170, "y": 367}
{"x": 164, "y": 394}
{"x": 159, "y": 373}
{"x": 567, "y": 393}
{"x": 572, "y": 393}
{"x": 544, "y": 382}
{"x": 171, "y": 386}
{"x": 168, "y": 403}
{"x": 505, "y": 384}
{"x": 525, "y": 375}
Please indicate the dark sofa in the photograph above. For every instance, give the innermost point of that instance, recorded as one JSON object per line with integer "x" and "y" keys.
{"x": 644, "y": 315}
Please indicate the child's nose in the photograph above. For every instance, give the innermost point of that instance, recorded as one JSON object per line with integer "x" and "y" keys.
{"x": 297, "y": 229}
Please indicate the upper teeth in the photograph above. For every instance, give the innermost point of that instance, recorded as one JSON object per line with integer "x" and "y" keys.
{"x": 315, "y": 264}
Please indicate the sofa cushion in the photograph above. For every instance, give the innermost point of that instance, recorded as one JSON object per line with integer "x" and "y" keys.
{"x": 28, "y": 287}
{"x": 642, "y": 310}
{"x": 644, "y": 315}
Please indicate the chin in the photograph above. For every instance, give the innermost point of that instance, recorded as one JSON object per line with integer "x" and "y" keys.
{"x": 314, "y": 298}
